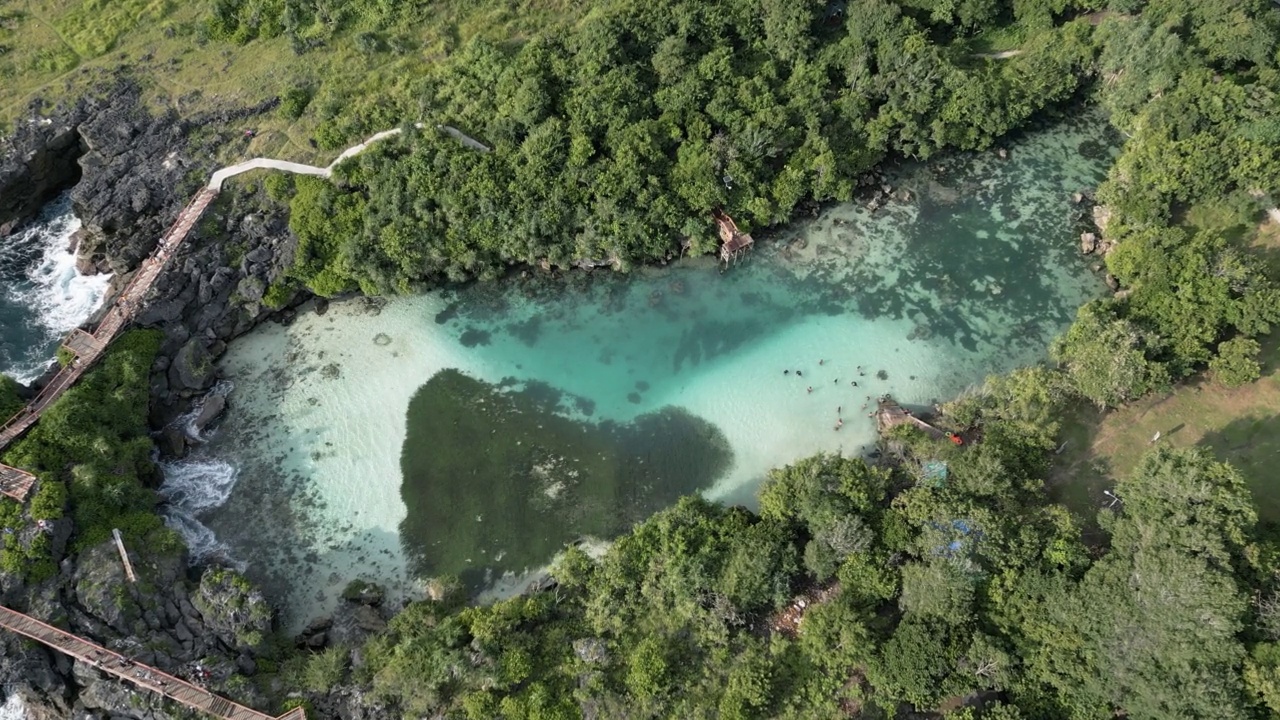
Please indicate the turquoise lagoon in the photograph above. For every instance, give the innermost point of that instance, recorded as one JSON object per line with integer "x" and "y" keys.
{"x": 474, "y": 431}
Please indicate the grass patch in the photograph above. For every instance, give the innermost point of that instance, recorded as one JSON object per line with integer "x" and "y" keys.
{"x": 1239, "y": 425}
{"x": 57, "y": 49}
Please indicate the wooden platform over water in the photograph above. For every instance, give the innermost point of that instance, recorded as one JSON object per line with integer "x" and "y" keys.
{"x": 889, "y": 414}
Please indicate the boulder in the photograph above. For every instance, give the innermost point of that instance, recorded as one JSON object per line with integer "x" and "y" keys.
{"x": 192, "y": 368}
{"x": 213, "y": 406}
{"x": 1088, "y": 243}
{"x": 1101, "y": 218}
{"x": 172, "y": 442}
{"x": 353, "y": 624}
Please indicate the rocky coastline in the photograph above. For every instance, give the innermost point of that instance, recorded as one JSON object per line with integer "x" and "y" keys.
{"x": 130, "y": 172}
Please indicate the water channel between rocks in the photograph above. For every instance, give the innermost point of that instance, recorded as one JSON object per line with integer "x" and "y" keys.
{"x": 42, "y": 297}
{"x": 475, "y": 431}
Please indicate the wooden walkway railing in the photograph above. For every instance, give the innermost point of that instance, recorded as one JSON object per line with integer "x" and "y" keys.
{"x": 16, "y": 483}
{"x": 87, "y": 348}
{"x": 145, "y": 677}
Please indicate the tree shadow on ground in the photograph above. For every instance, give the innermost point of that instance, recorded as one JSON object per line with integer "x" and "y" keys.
{"x": 1252, "y": 445}
{"x": 1078, "y": 474}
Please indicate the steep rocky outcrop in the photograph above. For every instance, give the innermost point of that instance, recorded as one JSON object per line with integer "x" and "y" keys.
{"x": 214, "y": 290}
{"x": 164, "y": 620}
{"x": 37, "y": 162}
{"x": 132, "y": 172}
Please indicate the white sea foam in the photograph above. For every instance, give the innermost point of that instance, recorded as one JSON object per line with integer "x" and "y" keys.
{"x": 58, "y": 297}
{"x": 187, "y": 421}
{"x": 192, "y": 487}
{"x": 13, "y": 709}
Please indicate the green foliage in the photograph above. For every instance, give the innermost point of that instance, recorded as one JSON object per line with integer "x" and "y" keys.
{"x": 94, "y": 441}
{"x": 64, "y": 356}
{"x": 10, "y": 402}
{"x": 1236, "y": 363}
{"x": 294, "y": 102}
{"x": 615, "y": 139}
{"x": 1151, "y": 629}
{"x": 938, "y": 590}
{"x": 49, "y": 501}
{"x": 325, "y": 669}
{"x": 1105, "y": 357}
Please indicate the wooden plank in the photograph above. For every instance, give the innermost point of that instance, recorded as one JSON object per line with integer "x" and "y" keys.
{"x": 124, "y": 555}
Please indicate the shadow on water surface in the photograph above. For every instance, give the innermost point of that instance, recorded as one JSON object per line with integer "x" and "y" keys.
{"x": 499, "y": 480}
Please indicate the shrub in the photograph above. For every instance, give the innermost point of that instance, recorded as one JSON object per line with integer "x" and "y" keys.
{"x": 50, "y": 501}
{"x": 1236, "y": 363}
{"x": 325, "y": 670}
{"x": 294, "y": 102}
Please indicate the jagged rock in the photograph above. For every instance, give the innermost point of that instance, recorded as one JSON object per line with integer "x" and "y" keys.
{"x": 173, "y": 442}
{"x": 1088, "y": 243}
{"x": 193, "y": 368}
{"x": 1077, "y": 197}
{"x": 1101, "y": 218}
{"x": 36, "y": 163}
{"x": 98, "y": 583}
{"x": 353, "y": 623}
{"x": 1112, "y": 282}
{"x": 233, "y": 609}
{"x": 213, "y": 406}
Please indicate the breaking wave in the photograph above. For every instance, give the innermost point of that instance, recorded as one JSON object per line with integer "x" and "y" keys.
{"x": 191, "y": 488}
{"x": 13, "y": 709}
{"x": 40, "y": 278}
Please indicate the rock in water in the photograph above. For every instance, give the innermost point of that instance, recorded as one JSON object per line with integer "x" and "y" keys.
{"x": 212, "y": 408}
{"x": 1088, "y": 243}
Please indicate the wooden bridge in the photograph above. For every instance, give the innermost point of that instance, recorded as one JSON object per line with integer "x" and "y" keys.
{"x": 86, "y": 348}
{"x": 145, "y": 677}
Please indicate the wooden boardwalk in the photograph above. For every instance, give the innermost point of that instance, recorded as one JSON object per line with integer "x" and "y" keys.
{"x": 86, "y": 348}
{"x": 145, "y": 677}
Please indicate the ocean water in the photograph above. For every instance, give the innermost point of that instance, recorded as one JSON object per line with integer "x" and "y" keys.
{"x": 42, "y": 297}
{"x": 474, "y": 431}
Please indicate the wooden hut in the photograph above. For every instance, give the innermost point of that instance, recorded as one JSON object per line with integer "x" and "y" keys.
{"x": 733, "y": 241}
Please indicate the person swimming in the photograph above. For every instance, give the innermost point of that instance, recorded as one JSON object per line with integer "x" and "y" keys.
{"x": 855, "y": 383}
{"x": 810, "y": 388}
{"x": 786, "y": 372}
{"x": 799, "y": 374}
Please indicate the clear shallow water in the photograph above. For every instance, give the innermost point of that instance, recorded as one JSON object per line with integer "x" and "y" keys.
{"x": 673, "y": 377}
{"x": 42, "y": 297}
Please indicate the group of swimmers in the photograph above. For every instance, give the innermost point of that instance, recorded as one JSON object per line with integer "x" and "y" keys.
{"x": 852, "y": 383}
